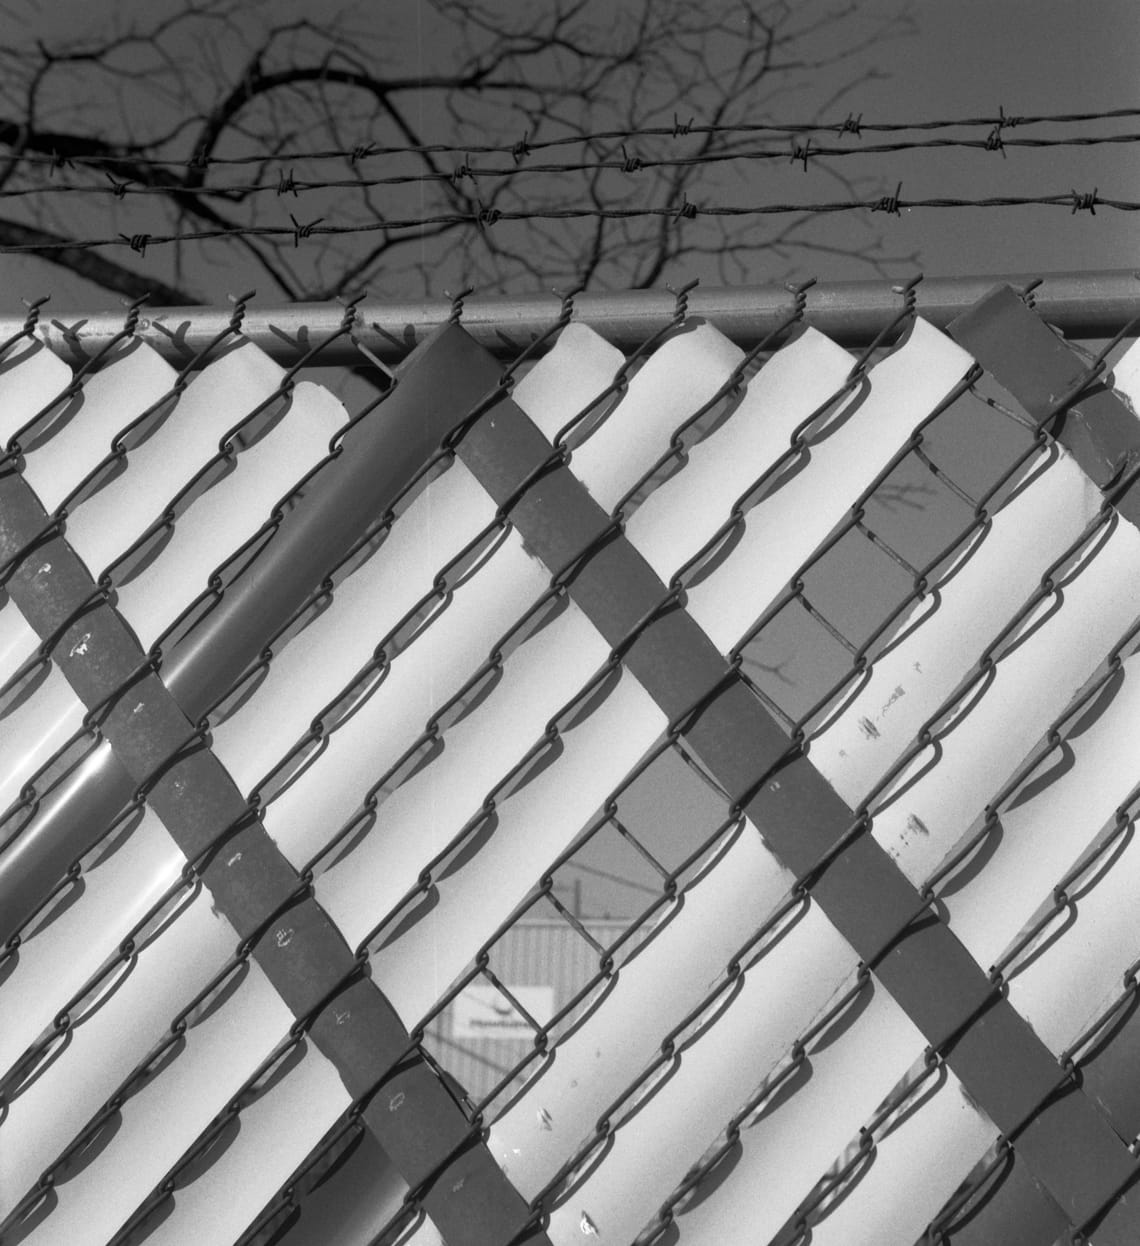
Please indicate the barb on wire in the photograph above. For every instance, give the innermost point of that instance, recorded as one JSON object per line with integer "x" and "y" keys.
{"x": 485, "y": 216}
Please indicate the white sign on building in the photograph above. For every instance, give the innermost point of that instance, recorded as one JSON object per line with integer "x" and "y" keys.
{"x": 481, "y": 1011}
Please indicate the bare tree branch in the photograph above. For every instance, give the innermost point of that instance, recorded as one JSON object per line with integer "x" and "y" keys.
{"x": 157, "y": 100}
{"x": 94, "y": 266}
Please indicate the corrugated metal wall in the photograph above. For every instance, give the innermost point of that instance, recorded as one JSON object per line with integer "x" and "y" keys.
{"x": 549, "y": 955}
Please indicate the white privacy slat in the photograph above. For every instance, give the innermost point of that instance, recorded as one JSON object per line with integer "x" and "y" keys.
{"x": 231, "y": 511}
{"x": 109, "y": 1040}
{"x": 110, "y": 399}
{"x": 1032, "y": 685}
{"x": 1045, "y": 832}
{"x": 312, "y": 808}
{"x": 1083, "y": 959}
{"x": 427, "y": 810}
{"x": 677, "y": 379}
{"x": 168, "y": 1115}
{"x": 797, "y": 1134}
{"x": 30, "y": 377}
{"x": 352, "y": 1206}
{"x": 653, "y": 1149}
{"x": 675, "y": 521}
{"x": 568, "y": 378}
{"x": 34, "y": 730}
{"x": 910, "y": 681}
{"x": 278, "y": 1129}
{"x": 436, "y": 526}
{"x": 57, "y": 956}
{"x": 669, "y": 975}
{"x": 1126, "y": 376}
{"x": 214, "y": 401}
{"x": 783, "y": 529}
{"x": 316, "y": 664}
{"x": 917, "y": 1166}
{"x": 18, "y": 641}
{"x": 532, "y": 827}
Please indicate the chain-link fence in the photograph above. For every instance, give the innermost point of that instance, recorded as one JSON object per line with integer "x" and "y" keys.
{"x": 815, "y": 665}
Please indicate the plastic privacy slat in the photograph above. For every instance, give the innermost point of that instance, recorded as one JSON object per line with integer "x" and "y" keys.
{"x": 1126, "y": 376}
{"x": 107, "y": 1040}
{"x": 1089, "y": 946}
{"x": 350, "y": 1207}
{"x": 677, "y": 379}
{"x": 217, "y": 399}
{"x": 1082, "y": 959}
{"x": 927, "y": 1153}
{"x": 324, "y": 796}
{"x": 231, "y": 511}
{"x": 80, "y": 435}
{"x": 1058, "y": 649}
{"x": 483, "y": 606}
{"x": 908, "y": 683}
{"x": 316, "y": 664}
{"x": 61, "y": 952}
{"x": 671, "y": 972}
{"x": 1054, "y": 818}
{"x": 795, "y": 1136}
{"x": 31, "y": 733}
{"x": 365, "y": 606}
{"x": 531, "y": 828}
{"x": 167, "y": 1116}
{"x": 30, "y": 377}
{"x": 277, "y": 1131}
{"x": 782, "y": 530}
{"x": 669, "y": 1131}
{"x": 18, "y": 640}
{"x": 568, "y": 378}
{"x": 677, "y": 518}
{"x": 422, "y": 815}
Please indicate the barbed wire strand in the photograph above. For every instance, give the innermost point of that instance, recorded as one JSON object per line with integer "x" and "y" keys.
{"x": 523, "y": 146}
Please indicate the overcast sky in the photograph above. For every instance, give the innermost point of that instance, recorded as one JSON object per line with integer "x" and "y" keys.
{"x": 966, "y": 58}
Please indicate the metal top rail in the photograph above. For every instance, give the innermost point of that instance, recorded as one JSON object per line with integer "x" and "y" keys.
{"x": 1082, "y": 305}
